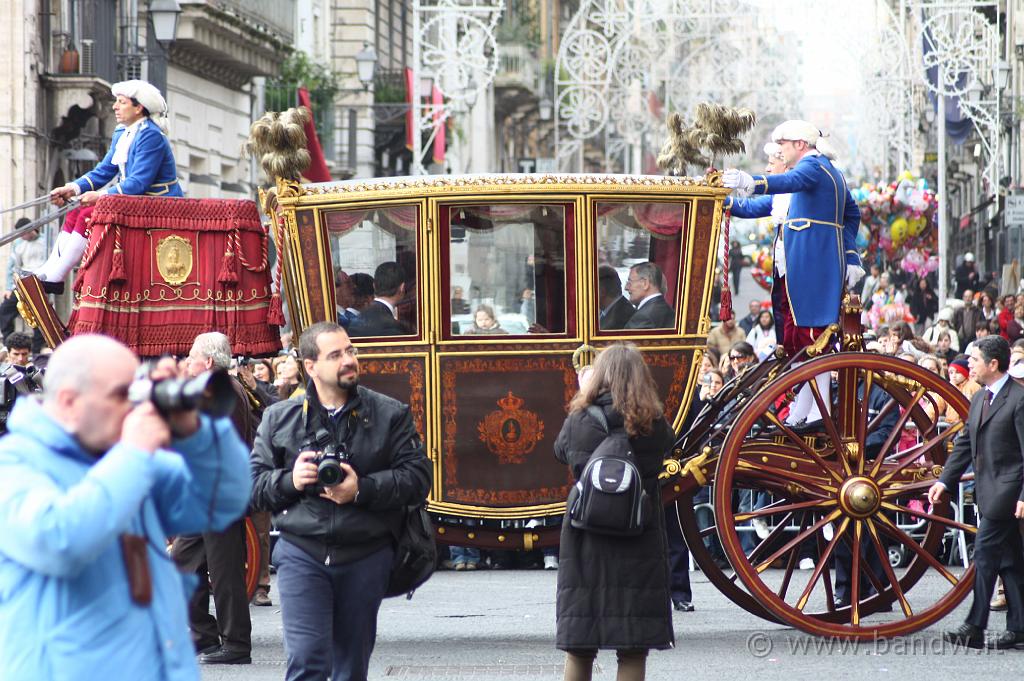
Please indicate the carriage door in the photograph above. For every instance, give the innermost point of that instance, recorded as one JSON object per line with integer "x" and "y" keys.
{"x": 642, "y": 252}
{"x": 507, "y": 327}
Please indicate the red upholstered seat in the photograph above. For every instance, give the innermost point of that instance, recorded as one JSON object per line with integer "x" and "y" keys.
{"x": 157, "y": 272}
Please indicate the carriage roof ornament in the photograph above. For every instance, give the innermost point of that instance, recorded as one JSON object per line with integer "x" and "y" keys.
{"x": 715, "y": 132}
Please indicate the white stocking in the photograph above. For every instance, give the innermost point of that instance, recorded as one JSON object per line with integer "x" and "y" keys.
{"x": 824, "y": 382}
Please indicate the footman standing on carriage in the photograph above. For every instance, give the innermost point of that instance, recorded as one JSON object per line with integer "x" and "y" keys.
{"x": 818, "y": 244}
{"x": 139, "y": 162}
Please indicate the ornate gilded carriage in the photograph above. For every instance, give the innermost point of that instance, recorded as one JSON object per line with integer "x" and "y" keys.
{"x": 542, "y": 257}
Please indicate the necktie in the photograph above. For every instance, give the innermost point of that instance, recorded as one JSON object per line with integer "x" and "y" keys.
{"x": 985, "y": 405}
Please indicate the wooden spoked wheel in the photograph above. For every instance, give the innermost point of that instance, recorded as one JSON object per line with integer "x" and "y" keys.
{"x": 708, "y": 431}
{"x": 843, "y": 495}
{"x": 252, "y": 558}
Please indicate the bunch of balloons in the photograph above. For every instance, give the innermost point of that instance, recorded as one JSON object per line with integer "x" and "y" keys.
{"x": 761, "y": 267}
{"x": 897, "y": 218}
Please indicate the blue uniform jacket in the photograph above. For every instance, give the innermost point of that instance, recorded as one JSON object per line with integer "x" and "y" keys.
{"x": 65, "y": 609}
{"x": 819, "y": 238}
{"x": 150, "y": 168}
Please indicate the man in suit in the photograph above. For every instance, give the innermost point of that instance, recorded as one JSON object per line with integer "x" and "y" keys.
{"x": 646, "y": 289}
{"x": 994, "y": 442}
{"x": 748, "y": 322}
{"x": 380, "y": 318}
{"x": 616, "y": 311}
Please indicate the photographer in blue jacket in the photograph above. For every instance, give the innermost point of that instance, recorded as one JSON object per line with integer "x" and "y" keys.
{"x": 91, "y": 487}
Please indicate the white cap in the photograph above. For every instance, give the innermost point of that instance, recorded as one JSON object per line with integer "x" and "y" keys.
{"x": 144, "y": 93}
{"x": 795, "y": 130}
{"x": 968, "y": 257}
{"x": 772, "y": 150}
{"x": 1016, "y": 371}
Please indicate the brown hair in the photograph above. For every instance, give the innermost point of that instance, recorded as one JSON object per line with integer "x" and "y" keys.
{"x": 620, "y": 370}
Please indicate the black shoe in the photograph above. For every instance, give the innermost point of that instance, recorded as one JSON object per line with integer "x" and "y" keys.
{"x": 54, "y": 287}
{"x": 683, "y": 606}
{"x": 1007, "y": 640}
{"x": 966, "y": 635}
{"x": 224, "y": 656}
{"x": 808, "y": 427}
{"x": 204, "y": 647}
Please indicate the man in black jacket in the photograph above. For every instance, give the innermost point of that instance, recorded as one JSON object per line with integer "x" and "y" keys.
{"x": 336, "y": 546}
{"x": 646, "y": 288}
{"x": 615, "y": 310}
{"x": 380, "y": 318}
{"x": 994, "y": 442}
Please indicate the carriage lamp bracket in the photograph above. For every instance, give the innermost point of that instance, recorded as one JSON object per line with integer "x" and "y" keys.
{"x": 823, "y": 341}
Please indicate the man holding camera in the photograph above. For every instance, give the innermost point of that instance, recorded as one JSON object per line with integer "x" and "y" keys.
{"x": 91, "y": 486}
{"x": 218, "y": 558}
{"x": 337, "y": 467}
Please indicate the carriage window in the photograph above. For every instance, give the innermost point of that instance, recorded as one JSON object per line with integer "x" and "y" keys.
{"x": 506, "y": 269}
{"x": 373, "y": 253}
{"x": 638, "y": 264}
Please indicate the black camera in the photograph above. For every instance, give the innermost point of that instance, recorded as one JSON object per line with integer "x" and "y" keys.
{"x": 210, "y": 392}
{"x": 16, "y": 381}
{"x": 328, "y": 465}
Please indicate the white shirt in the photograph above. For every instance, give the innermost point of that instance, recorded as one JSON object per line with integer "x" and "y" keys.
{"x": 391, "y": 308}
{"x": 124, "y": 143}
{"x": 780, "y": 211}
{"x": 644, "y": 301}
{"x": 994, "y": 389}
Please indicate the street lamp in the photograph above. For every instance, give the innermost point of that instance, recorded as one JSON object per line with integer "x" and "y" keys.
{"x": 366, "y": 65}
{"x": 1002, "y": 74}
{"x": 164, "y": 14}
{"x": 974, "y": 93}
{"x": 545, "y": 108}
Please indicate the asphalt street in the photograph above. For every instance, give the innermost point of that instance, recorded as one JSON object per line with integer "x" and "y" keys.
{"x": 501, "y": 625}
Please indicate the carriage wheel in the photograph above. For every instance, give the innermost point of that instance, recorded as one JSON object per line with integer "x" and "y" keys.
{"x": 726, "y": 581}
{"x": 842, "y": 479}
{"x": 708, "y": 431}
{"x": 252, "y": 558}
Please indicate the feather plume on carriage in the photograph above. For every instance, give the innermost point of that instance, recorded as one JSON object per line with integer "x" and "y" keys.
{"x": 278, "y": 141}
{"x": 715, "y": 133}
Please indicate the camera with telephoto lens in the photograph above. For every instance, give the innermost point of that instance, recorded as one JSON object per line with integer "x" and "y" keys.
{"x": 210, "y": 392}
{"x": 16, "y": 381}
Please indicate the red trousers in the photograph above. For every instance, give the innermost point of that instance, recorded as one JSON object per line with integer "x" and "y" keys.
{"x": 794, "y": 338}
{"x": 76, "y": 219}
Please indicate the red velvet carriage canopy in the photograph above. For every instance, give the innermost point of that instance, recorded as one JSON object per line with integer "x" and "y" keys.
{"x": 157, "y": 272}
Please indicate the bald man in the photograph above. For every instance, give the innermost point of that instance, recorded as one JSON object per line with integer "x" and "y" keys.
{"x": 91, "y": 487}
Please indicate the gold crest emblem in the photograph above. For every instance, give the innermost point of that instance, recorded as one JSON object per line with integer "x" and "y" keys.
{"x": 174, "y": 259}
{"x": 511, "y": 432}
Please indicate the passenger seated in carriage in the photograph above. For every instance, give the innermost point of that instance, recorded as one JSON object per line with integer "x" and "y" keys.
{"x": 646, "y": 289}
{"x": 380, "y": 317}
{"x": 139, "y": 162}
{"x": 616, "y": 310}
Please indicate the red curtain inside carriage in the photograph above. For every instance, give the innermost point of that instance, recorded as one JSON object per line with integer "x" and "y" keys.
{"x": 157, "y": 272}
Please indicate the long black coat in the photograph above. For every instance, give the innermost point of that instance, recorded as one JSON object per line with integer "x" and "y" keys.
{"x": 613, "y": 592}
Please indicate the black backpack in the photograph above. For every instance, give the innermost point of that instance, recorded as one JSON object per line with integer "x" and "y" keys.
{"x": 415, "y": 553}
{"x": 609, "y": 497}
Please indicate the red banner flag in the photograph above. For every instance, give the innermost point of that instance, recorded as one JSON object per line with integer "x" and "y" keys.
{"x": 410, "y": 113}
{"x": 440, "y": 125}
{"x": 317, "y": 171}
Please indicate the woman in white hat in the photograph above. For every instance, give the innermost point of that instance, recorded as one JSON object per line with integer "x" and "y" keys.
{"x": 139, "y": 162}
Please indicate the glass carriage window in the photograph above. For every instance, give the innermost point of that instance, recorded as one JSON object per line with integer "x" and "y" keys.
{"x": 637, "y": 282}
{"x": 506, "y": 269}
{"x": 376, "y": 283}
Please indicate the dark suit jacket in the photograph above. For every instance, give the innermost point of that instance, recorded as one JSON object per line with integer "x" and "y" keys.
{"x": 996, "y": 447}
{"x": 377, "y": 320}
{"x": 654, "y": 314}
{"x": 618, "y": 315}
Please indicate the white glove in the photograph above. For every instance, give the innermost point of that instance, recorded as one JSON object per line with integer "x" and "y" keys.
{"x": 742, "y": 182}
{"x": 854, "y": 273}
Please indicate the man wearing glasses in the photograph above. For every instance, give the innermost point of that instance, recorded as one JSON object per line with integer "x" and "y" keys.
{"x": 646, "y": 290}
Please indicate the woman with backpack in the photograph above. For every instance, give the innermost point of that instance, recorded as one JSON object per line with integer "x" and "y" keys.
{"x": 613, "y": 591}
